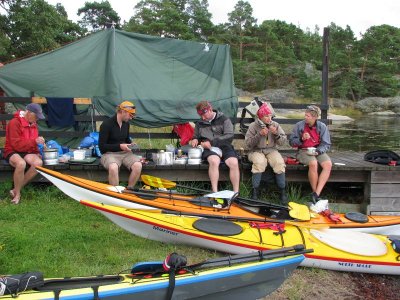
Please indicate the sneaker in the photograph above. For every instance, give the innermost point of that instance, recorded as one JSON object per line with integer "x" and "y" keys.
{"x": 314, "y": 197}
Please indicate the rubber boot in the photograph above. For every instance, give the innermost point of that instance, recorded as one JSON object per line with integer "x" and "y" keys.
{"x": 267, "y": 180}
{"x": 255, "y": 194}
{"x": 256, "y": 180}
{"x": 283, "y": 197}
{"x": 281, "y": 183}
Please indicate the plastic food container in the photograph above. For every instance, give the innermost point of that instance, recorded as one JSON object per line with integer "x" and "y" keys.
{"x": 79, "y": 154}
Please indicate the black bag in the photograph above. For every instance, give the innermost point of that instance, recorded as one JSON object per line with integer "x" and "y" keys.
{"x": 15, "y": 284}
{"x": 383, "y": 157}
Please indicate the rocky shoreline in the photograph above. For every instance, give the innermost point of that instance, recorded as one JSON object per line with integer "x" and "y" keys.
{"x": 370, "y": 105}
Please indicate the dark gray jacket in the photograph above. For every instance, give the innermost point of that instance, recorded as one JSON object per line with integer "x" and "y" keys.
{"x": 219, "y": 131}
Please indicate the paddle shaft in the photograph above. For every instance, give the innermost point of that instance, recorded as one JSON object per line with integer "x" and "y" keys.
{"x": 156, "y": 182}
{"x": 276, "y": 206}
{"x": 155, "y": 195}
{"x": 256, "y": 256}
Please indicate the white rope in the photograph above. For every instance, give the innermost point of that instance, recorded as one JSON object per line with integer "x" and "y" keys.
{"x": 148, "y": 132}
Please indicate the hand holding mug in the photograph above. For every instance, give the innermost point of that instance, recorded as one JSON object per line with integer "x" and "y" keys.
{"x": 195, "y": 142}
{"x": 125, "y": 147}
{"x": 264, "y": 131}
{"x": 273, "y": 129}
{"x": 39, "y": 140}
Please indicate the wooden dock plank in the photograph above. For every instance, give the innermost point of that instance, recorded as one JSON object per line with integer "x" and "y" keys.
{"x": 381, "y": 183}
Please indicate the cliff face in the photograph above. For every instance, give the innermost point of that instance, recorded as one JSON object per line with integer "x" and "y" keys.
{"x": 377, "y": 104}
{"x": 367, "y": 105}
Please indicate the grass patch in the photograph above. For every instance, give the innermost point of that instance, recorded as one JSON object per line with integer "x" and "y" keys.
{"x": 295, "y": 116}
{"x": 151, "y": 143}
{"x": 348, "y": 111}
{"x": 54, "y": 234}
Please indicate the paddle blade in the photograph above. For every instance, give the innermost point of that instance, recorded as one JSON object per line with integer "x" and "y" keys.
{"x": 157, "y": 182}
{"x": 299, "y": 211}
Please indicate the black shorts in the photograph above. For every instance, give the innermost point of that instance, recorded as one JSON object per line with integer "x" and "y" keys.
{"x": 227, "y": 152}
{"x": 22, "y": 154}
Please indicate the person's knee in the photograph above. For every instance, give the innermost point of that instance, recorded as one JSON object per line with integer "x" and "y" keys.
{"x": 327, "y": 165}
{"x": 313, "y": 165}
{"x": 213, "y": 161}
{"x": 20, "y": 164}
{"x": 37, "y": 163}
{"x": 113, "y": 169}
{"x": 232, "y": 163}
{"x": 258, "y": 167}
{"x": 136, "y": 167}
{"x": 279, "y": 168}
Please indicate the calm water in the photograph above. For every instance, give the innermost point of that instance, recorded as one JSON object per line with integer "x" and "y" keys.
{"x": 367, "y": 133}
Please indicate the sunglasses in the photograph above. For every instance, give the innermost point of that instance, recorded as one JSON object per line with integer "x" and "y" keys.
{"x": 128, "y": 107}
{"x": 203, "y": 111}
{"x": 312, "y": 108}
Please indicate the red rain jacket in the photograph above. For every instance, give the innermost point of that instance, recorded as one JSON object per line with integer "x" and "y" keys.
{"x": 20, "y": 135}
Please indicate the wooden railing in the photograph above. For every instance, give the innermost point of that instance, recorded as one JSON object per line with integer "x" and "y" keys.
{"x": 92, "y": 117}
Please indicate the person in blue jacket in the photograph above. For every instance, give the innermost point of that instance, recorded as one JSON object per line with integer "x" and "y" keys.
{"x": 313, "y": 133}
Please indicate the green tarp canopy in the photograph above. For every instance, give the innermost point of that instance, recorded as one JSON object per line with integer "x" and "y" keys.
{"x": 164, "y": 77}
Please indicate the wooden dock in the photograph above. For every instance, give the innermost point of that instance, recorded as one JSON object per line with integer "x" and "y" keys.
{"x": 381, "y": 183}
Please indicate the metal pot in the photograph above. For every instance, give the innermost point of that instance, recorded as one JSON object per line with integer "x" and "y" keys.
{"x": 195, "y": 153}
{"x": 165, "y": 158}
{"x": 194, "y": 161}
{"x": 50, "y": 154}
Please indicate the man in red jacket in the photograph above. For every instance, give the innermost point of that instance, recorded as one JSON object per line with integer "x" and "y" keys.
{"x": 21, "y": 148}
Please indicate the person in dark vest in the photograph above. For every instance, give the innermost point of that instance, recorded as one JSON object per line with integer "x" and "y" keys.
{"x": 115, "y": 145}
{"x": 262, "y": 138}
{"x": 21, "y": 147}
{"x": 213, "y": 131}
{"x": 313, "y": 133}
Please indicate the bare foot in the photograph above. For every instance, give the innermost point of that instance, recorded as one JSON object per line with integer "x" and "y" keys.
{"x": 15, "y": 200}
{"x": 15, "y": 197}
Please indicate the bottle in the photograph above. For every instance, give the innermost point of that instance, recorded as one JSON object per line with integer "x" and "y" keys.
{"x": 180, "y": 153}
